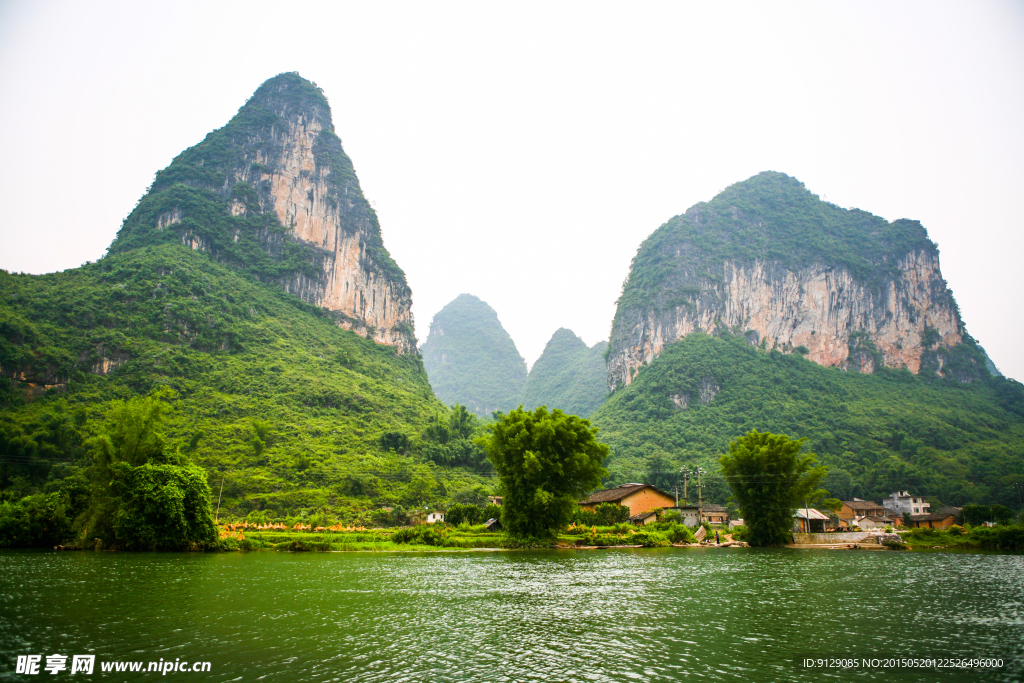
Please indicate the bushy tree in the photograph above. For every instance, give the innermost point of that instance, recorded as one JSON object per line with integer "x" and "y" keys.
{"x": 162, "y": 507}
{"x": 472, "y": 495}
{"x": 144, "y": 496}
{"x": 607, "y": 514}
{"x": 490, "y": 511}
{"x": 462, "y": 512}
{"x": 976, "y": 514}
{"x": 770, "y": 478}
{"x": 546, "y": 463}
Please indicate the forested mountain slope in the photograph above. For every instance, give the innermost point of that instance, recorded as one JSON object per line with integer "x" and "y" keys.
{"x": 769, "y": 309}
{"x": 294, "y": 411}
{"x": 959, "y": 442}
{"x": 569, "y": 376}
{"x": 252, "y": 285}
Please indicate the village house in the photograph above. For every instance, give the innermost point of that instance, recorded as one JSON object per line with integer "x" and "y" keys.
{"x": 937, "y": 520}
{"x": 644, "y": 518}
{"x": 693, "y": 515}
{"x": 495, "y": 500}
{"x": 809, "y": 521}
{"x": 637, "y": 497}
{"x": 876, "y": 522}
{"x": 435, "y": 516}
{"x": 867, "y": 514}
{"x": 417, "y": 517}
{"x": 902, "y": 501}
{"x": 689, "y": 515}
{"x": 859, "y": 508}
{"x": 714, "y": 514}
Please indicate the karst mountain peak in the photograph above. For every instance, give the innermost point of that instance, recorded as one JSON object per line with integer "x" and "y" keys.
{"x": 274, "y": 194}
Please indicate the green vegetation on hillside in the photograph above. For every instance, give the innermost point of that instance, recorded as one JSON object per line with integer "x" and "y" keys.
{"x": 471, "y": 359}
{"x": 959, "y": 442}
{"x": 294, "y": 413}
{"x": 568, "y": 376}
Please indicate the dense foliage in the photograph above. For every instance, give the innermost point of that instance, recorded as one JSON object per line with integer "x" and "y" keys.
{"x": 770, "y": 477}
{"x": 297, "y": 415}
{"x": 877, "y": 433}
{"x": 471, "y": 359}
{"x": 568, "y": 376}
{"x": 546, "y": 462}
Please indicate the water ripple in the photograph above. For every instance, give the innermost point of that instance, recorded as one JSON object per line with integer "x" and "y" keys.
{"x": 587, "y": 617}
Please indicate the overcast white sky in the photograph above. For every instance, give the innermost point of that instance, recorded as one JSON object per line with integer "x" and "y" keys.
{"x": 522, "y": 151}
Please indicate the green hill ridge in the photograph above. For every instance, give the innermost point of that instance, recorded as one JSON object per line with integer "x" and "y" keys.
{"x": 471, "y": 359}
{"x": 769, "y": 309}
{"x": 569, "y": 376}
{"x": 878, "y": 433}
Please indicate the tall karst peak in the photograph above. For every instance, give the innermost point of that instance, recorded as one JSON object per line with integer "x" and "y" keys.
{"x": 274, "y": 194}
{"x": 471, "y": 359}
{"x": 768, "y": 259}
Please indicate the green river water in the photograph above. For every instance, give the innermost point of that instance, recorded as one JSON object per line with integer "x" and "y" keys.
{"x": 584, "y": 616}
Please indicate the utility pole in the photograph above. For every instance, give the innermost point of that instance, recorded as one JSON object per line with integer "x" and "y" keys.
{"x": 217, "y": 516}
{"x": 686, "y": 484}
{"x": 1020, "y": 506}
{"x": 700, "y": 495}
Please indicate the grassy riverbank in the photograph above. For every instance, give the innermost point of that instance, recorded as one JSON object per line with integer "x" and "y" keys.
{"x": 441, "y": 538}
{"x": 977, "y": 538}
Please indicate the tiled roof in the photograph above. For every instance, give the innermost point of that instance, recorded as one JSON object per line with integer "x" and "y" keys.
{"x": 861, "y": 505}
{"x": 933, "y": 517}
{"x": 618, "y": 493}
{"x": 712, "y": 507}
{"x": 809, "y": 513}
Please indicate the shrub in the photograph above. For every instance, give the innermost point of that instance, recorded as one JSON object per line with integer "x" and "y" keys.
{"x": 956, "y": 530}
{"x": 648, "y": 539}
{"x": 583, "y": 517}
{"x": 420, "y": 535}
{"x": 679, "y": 533}
{"x": 607, "y": 514}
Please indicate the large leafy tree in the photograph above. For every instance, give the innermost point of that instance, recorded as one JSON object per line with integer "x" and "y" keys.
{"x": 144, "y": 495}
{"x": 546, "y": 462}
{"x": 770, "y": 477}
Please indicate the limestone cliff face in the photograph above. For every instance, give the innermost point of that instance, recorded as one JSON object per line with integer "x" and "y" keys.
{"x": 274, "y": 193}
{"x": 853, "y": 309}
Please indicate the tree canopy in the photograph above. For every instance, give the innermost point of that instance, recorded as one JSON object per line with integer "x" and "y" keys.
{"x": 770, "y": 478}
{"x": 546, "y": 462}
{"x": 143, "y": 497}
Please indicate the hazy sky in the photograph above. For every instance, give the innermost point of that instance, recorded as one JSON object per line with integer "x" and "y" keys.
{"x": 522, "y": 151}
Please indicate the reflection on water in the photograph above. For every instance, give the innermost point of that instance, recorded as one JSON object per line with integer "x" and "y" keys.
{"x": 617, "y": 615}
